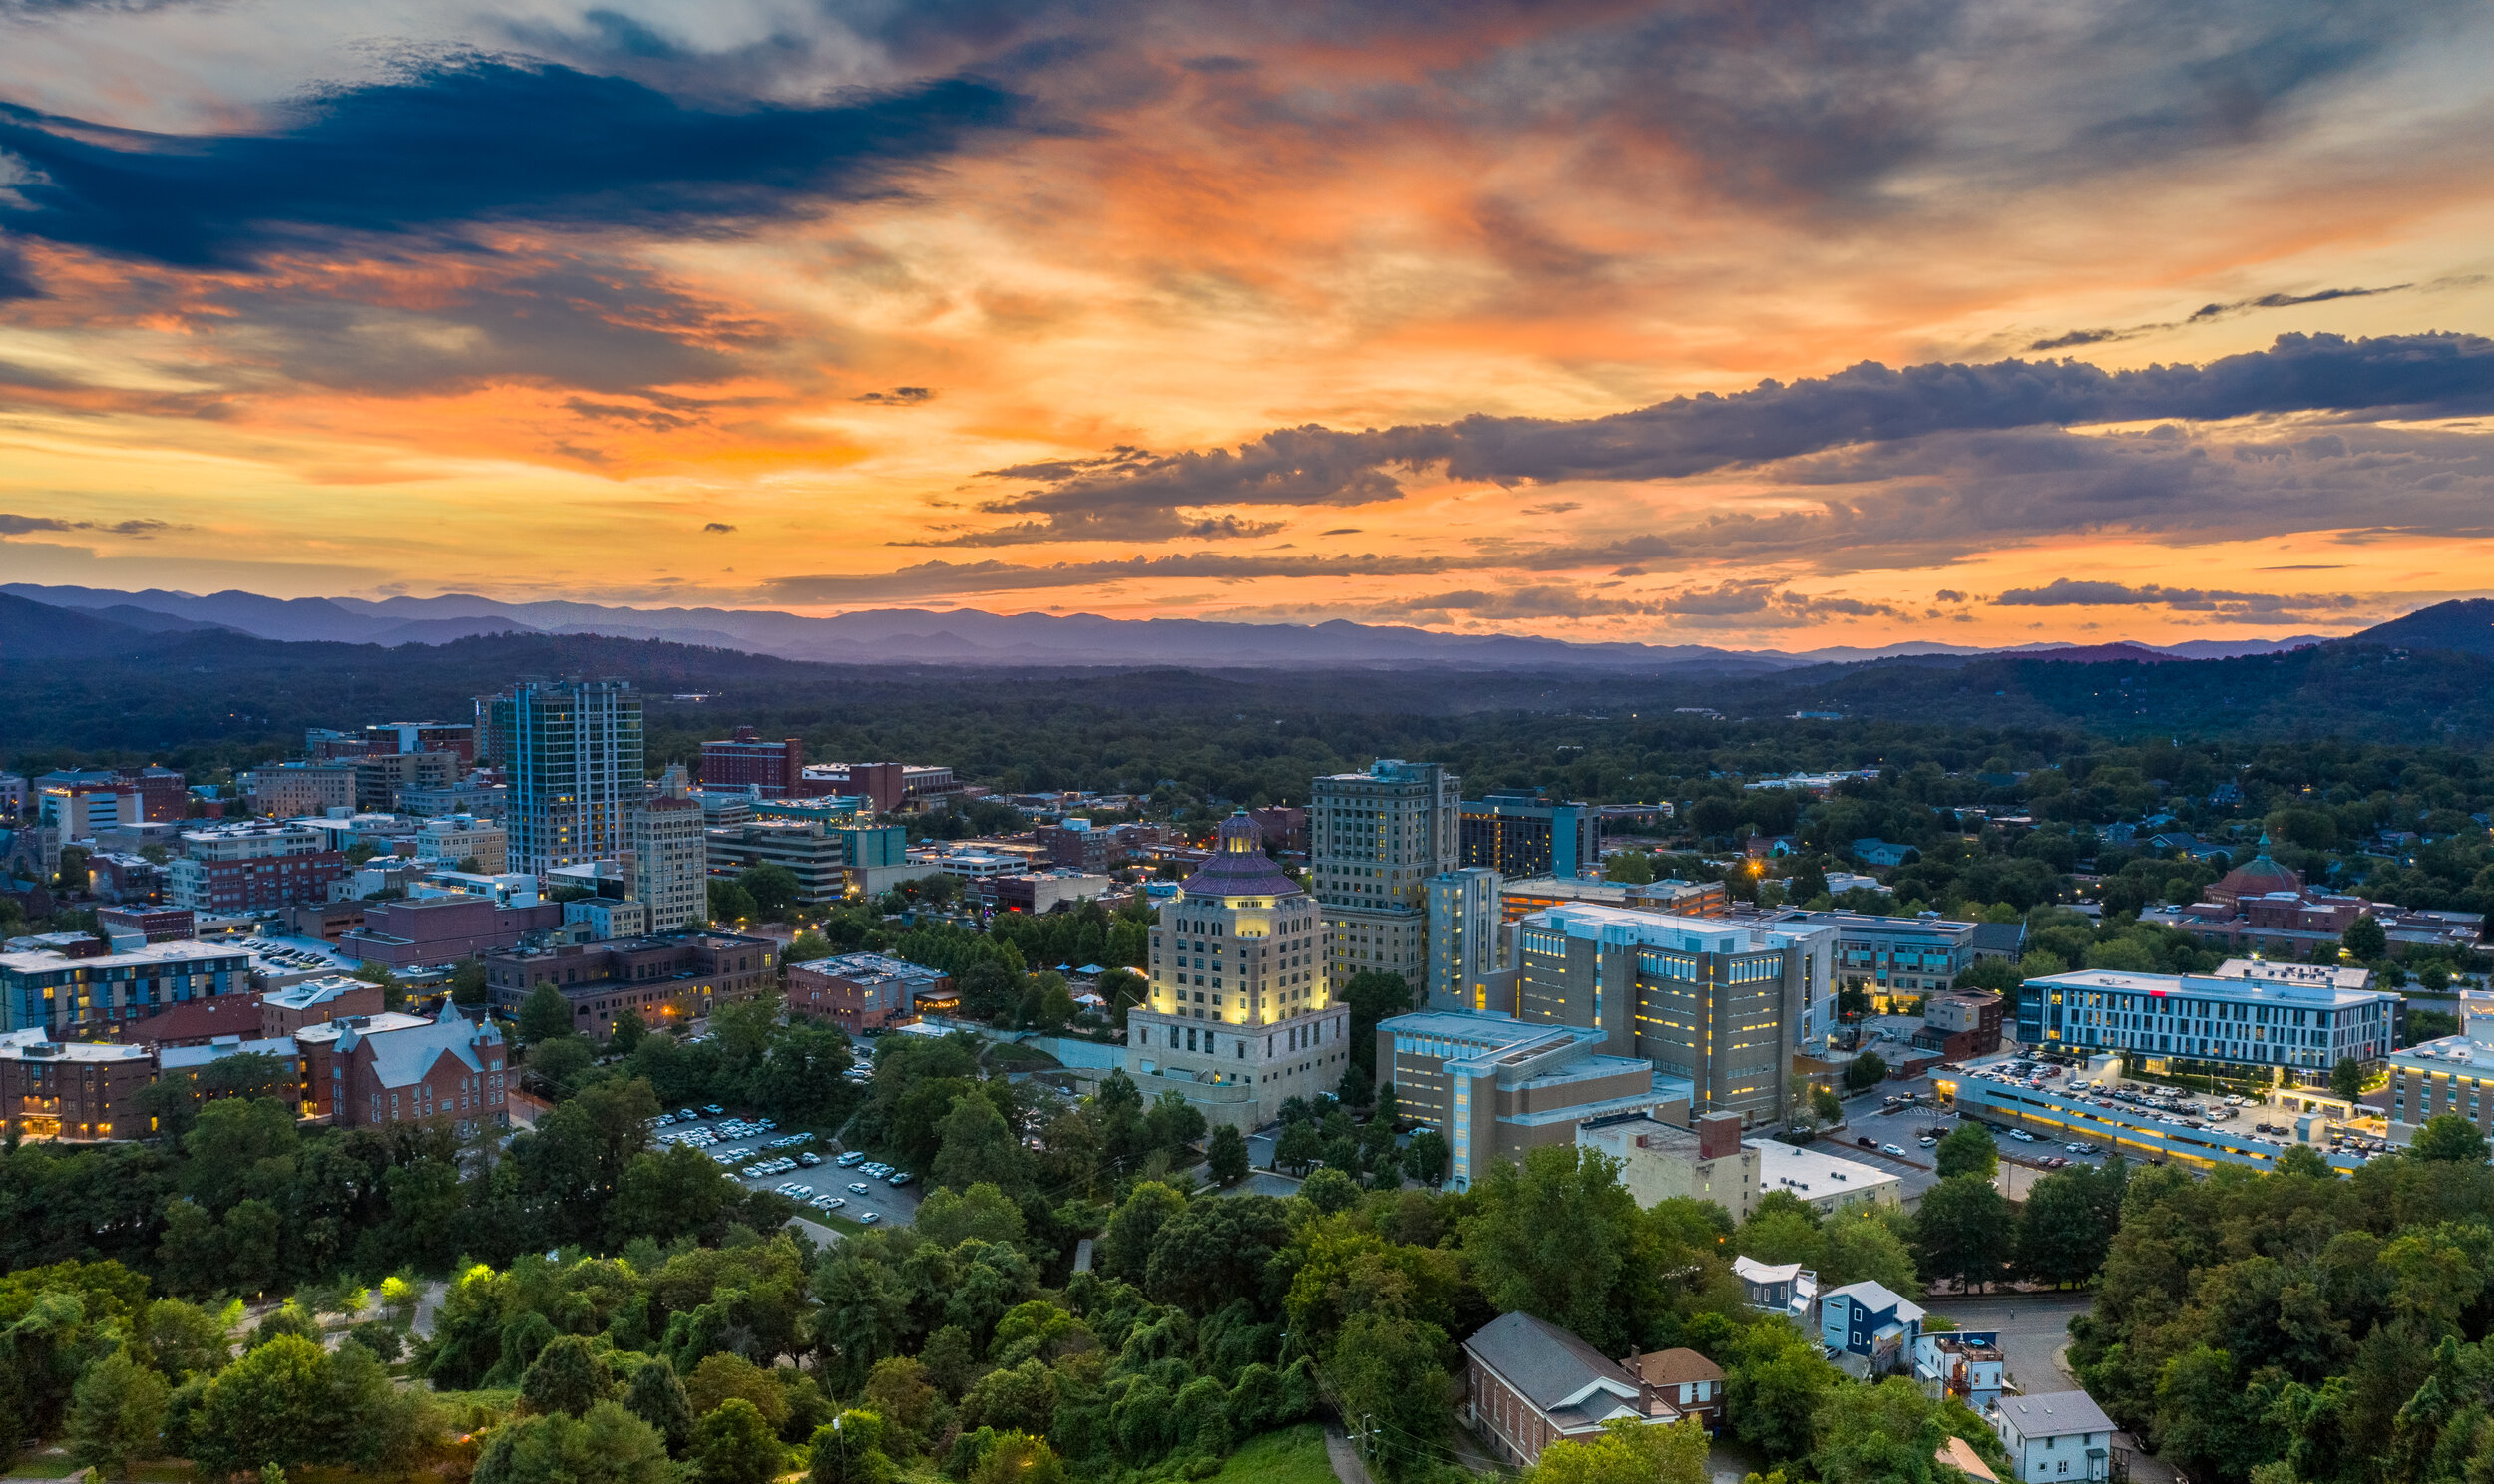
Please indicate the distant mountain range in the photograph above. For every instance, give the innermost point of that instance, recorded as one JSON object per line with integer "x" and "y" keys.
{"x": 969, "y": 636}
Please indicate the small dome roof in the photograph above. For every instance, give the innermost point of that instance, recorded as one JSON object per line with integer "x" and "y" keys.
{"x": 1239, "y": 867}
{"x": 2260, "y": 875}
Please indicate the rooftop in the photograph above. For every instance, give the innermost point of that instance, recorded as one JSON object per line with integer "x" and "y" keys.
{"x": 1810, "y": 1175}
{"x": 2054, "y": 1414}
{"x": 1618, "y": 924}
{"x": 164, "y": 954}
{"x": 32, "y": 1045}
{"x": 2297, "y": 992}
{"x": 2349, "y": 977}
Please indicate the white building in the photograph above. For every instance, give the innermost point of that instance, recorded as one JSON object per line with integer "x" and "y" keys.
{"x": 670, "y": 854}
{"x": 2300, "y": 1026}
{"x": 1821, "y": 1181}
{"x": 1466, "y": 941}
{"x": 444, "y": 840}
{"x": 1373, "y": 838}
{"x": 2055, "y": 1435}
{"x": 1239, "y": 1017}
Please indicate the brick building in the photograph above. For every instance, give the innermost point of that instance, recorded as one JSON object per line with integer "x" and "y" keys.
{"x": 420, "y": 931}
{"x": 316, "y": 1003}
{"x": 862, "y": 991}
{"x": 1529, "y": 1383}
{"x": 665, "y": 978}
{"x": 163, "y": 792}
{"x": 193, "y": 1022}
{"x": 71, "y": 1091}
{"x": 447, "y": 1072}
{"x": 776, "y": 768}
{"x": 152, "y": 924}
{"x": 234, "y": 870}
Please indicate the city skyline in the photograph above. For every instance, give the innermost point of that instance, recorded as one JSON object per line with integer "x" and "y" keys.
{"x": 2117, "y": 323}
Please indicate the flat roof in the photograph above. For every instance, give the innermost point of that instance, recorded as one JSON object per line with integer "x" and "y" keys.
{"x": 18, "y": 1045}
{"x": 1813, "y": 1174}
{"x": 46, "y": 961}
{"x": 2300, "y": 993}
{"x": 1653, "y": 930}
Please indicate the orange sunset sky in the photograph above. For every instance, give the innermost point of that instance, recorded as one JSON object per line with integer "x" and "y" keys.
{"x": 1282, "y": 312}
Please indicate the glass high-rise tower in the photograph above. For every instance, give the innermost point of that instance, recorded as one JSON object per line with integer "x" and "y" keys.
{"x": 572, "y": 752}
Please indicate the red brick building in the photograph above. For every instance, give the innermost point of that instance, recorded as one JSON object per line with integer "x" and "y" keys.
{"x": 1529, "y": 1383}
{"x": 74, "y": 1091}
{"x": 447, "y": 1072}
{"x": 745, "y": 760}
{"x": 664, "y": 978}
{"x": 283, "y": 1012}
{"x": 862, "y": 991}
{"x": 155, "y": 924}
{"x": 193, "y": 1022}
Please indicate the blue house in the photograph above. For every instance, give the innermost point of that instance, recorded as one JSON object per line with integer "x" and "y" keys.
{"x": 1868, "y": 1329}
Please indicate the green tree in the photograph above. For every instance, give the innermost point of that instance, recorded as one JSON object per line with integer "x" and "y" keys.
{"x": 626, "y": 1034}
{"x": 2062, "y": 1238}
{"x": 544, "y": 1016}
{"x": 1020, "y": 1458}
{"x": 1964, "y": 1232}
{"x": 1392, "y": 1373}
{"x": 1772, "y": 1387}
{"x": 609, "y": 1446}
{"x": 1330, "y": 1190}
{"x": 1633, "y": 867}
{"x": 734, "y": 1445}
{"x": 850, "y": 1449}
{"x": 1299, "y": 1145}
{"x": 1865, "y": 1073}
{"x": 1372, "y": 995}
{"x": 1861, "y": 1244}
{"x": 728, "y": 901}
{"x": 977, "y": 1145}
{"x": 807, "y": 947}
{"x": 772, "y": 887}
{"x": 1227, "y": 1155}
{"x": 1554, "y": 1237}
{"x": 2346, "y": 1079}
{"x": 466, "y": 982}
{"x": 1969, "y": 1149}
{"x": 1628, "y": 1451}
{"x": 1826, "y": 1105}
{"x": 117, "y": 1414}
{"x": 2366, "y": 939}
{"x": 271, "y": 1407}
{"x": 566, "y": 1377}
{"x": 1425, "y": 1156}
{"x": 656, "y": 1397}
{"x": 983, "y": 1213}
{"x": 2449, "y": 1138}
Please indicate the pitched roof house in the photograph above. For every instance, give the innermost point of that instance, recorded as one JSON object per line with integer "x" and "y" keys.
{"x": 1531, "y": 1383}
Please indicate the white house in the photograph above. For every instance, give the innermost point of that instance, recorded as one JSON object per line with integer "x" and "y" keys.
{"x": 2055, "y": 1435}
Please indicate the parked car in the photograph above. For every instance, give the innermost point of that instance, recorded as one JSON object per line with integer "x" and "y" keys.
{"x": 713, "y": 1109}
{"x": 869, "y": 1218}
{"x": 853, "y": 1157}
{"x": 1893, "y": 1149}
{"x": 1866, "y": 1142}
{"x": 902, "y": 1178}
{"x": 809, "y": 1159}
{"x": 858, "y": 1187}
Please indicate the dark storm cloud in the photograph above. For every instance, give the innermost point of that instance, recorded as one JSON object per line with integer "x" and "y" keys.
{"x": 11, "y": 524}
{"x": 941, "y": 578}
{"x": 2207, "y": 313}
{"x": 462, "y": 140}
{"x": 2066, "y": 592}
{"x": 1867, "y": 404}
{"x": 897, "y": 397}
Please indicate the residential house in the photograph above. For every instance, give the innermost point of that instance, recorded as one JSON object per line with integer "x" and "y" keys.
{"x": 1870, "y": 1329}
{"x": 2055, "y": 1435}
{"x": 1529, "y": 1383}
{"x": 1965, "y": 1363}
{"x": 1688, "y": 1380}
{"x": 1786, "y": 1288}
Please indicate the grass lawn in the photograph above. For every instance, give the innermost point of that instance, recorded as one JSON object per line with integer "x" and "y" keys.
{"x": 41, "y": 1466}
{"x": 1010, "y": 1057}
{"x": 1290, "y": 1455}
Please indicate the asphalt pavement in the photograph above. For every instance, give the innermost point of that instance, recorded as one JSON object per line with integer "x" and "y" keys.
{"x": 891, "y": 1206}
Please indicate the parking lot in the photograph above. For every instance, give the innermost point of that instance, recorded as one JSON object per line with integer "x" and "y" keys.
{"x": 739, "y": 1147}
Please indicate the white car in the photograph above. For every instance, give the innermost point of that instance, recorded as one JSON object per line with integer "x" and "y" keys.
{"x": 853, "y": 1157}
{"x": 868, "y": 1219}
{"x": 1893, "y": 1149}
{"x": 857, "y": 1187}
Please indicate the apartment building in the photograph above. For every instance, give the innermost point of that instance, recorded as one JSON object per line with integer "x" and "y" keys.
{"x": 745, "y": 760}
{"x": 71, "y": 1091}
{"x": 249, "y": 868}
{"x": 670, "y": 854}
{"x": 1661, "y": 1160}
{"x": 49, "y": 990}
{"x": 1893, "y": 958}
{"x": 291, "y": 790}
{"x": 444, "y": 840}
{"x": 572, "y": 752}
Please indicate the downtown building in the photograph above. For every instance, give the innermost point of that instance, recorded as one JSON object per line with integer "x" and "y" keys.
{"x": 1721, "y": 1004}
{"x": 1375, "y": 838}
{"x": 1519, "y": 833}
{"x": 2292, "y": 1027}
{"x": 670, "y": 854}
{"x": 572, "y": 750}
{"x": 1240, "y": 1017}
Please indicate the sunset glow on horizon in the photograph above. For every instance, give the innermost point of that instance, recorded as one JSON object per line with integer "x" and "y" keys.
{"x": 1285, "y": 313}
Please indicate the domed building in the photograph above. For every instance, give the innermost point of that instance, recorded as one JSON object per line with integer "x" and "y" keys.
{"x": 1239, "y": 1017}
{"x": 2259, "y": 877}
